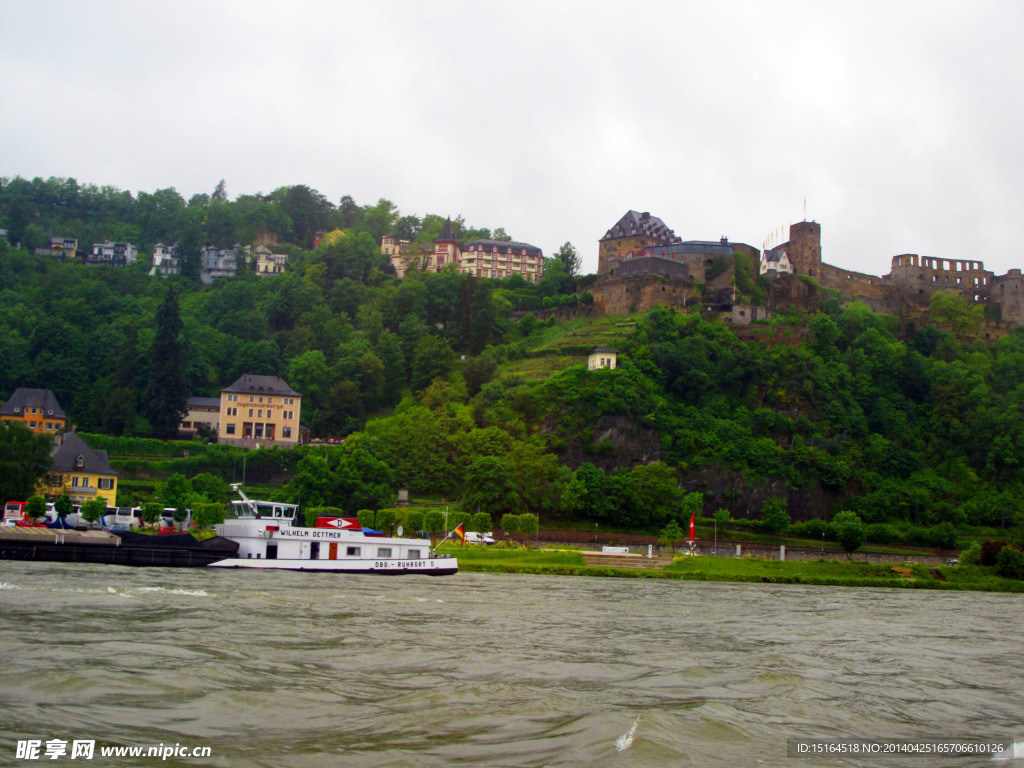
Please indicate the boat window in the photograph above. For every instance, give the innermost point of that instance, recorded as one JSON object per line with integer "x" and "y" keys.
{"x": 352, "y": 551}
{"x": 414, "y": 554}
{"x": 383, "y": 552}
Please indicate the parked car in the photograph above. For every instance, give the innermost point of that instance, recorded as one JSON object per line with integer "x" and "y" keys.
{"x": 472, "y": 537}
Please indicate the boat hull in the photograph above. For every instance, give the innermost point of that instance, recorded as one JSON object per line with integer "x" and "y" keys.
{"x": 435, "y": 566}
{"x": 106, "y": 549}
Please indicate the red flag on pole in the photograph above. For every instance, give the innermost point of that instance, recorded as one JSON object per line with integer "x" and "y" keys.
{"x": 693, "y": 518}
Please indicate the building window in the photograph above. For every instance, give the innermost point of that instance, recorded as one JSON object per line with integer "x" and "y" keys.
{"x": 105, "y": 483}
{"x": 286, "y": 432}
{"x": 229, "y": 429}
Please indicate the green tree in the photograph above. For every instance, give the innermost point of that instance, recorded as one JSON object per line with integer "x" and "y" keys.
{"x": 174, "y": 494}
{"x": 1010, "y": 563}
{"x": 510, "y": 524}
{"x": 670, "y": 534}
{"x": 528, "y": 525}
{"x": 413, "y": 520}
{"x": 207, "y": 515}
{"x": 93, "y": 510}
{"x": 433, "y": 521}
{"x": 151, "y": 512}
{"x": 488, "y": 487}
{"x": 24, "y": 458}
{"x": 570, "y": 259}
{"x": 35, "y": 508}
{"x": 168, "y": 391}
{"x": 386, "y": 519}
{"x": 774, "y": 516}
{"x": 63, "y": 506}
{"x": 212, "y": 487}
{"x": 849, "y": 530}
{"x": 431, "y": 358}
{"x": 481, "y": 522}
{"x": 657, "y": 490}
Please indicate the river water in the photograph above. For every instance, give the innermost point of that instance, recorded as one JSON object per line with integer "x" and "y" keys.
{"x": 287, "y": 669}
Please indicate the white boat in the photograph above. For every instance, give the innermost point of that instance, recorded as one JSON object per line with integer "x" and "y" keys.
{"x": 267, "y": 539}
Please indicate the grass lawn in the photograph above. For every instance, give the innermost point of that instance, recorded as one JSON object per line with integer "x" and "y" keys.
{"x": 705, "y": 568}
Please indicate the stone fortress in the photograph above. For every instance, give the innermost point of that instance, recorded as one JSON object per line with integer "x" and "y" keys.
{"x": 642, "y": 264}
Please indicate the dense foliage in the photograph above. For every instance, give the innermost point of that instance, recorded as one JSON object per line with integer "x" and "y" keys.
{"x": 898, "y": 424}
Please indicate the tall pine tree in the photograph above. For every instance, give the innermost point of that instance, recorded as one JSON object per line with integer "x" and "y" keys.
{"x": 168, "y": 391}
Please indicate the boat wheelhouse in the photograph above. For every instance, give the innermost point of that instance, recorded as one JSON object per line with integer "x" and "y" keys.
{"x": 267, "y": 538}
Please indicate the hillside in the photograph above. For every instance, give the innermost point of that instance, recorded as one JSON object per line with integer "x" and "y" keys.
{"x": 468, "y": 390}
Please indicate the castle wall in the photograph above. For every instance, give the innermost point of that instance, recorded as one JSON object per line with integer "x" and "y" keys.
{"x": 804, "y": 248}
{"x": 615, "y": 295}
{"x": 869, "y": 289}
{"x": 611, "y": 252}
{"x": 1007, "y": 293}
{"x": 924, "y": 275}
{"x": 652, "y": 265}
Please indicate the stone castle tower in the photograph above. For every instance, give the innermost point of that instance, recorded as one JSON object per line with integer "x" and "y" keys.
{"x": 805, "y": 248}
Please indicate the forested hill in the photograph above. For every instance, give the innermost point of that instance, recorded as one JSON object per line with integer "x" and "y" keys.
{"x": 440, "y": 389}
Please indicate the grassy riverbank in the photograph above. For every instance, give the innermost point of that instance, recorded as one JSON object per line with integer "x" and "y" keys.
{"x": 705, "y": 568}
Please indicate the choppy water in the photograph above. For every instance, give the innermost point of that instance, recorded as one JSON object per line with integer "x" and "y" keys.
{"x": 287, "y": 669}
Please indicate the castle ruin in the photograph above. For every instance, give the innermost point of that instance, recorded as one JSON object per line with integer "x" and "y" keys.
{"x": 641, "y": 249}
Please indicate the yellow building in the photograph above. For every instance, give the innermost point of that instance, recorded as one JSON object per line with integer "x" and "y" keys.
{"x": 79, "y": 472}
{"x": 602, "y": 357}
{"x": 269, "y": 263}
{"x": 36, "y": 409}
{"x": 259, "y": 410}
{"x": 202, "y": 415}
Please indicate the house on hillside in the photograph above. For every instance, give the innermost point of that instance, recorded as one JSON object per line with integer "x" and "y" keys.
{"x": 63, "y": 248}
{"x": 259, "y": 410}
{"x": 268, "y": 263}
{"x": 216, "y": 262}
{"x": 776, "y": 261}
{"x": 602, "y": 357}
{"x": 116, "y": 254}
{"x": 202, "y": 414}
{"x": 165, "y": 261}
{"x": 480, "y": 258}
{"x": 36, "y": 409}
{"x": 79, "y": 472}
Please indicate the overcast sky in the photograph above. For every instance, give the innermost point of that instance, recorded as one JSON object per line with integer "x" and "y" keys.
{"x": 899, "y": 123}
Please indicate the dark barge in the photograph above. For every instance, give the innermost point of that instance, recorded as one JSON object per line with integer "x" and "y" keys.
{"x": 180, "y": 550}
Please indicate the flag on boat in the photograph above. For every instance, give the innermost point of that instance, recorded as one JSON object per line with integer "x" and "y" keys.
{"x": 693, "y": 520}
{"x": 460, "y": 534}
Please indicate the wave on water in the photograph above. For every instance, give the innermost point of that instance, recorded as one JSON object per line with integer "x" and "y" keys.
{"x": 625, "y": 741}
{"x": 190, "y": 592}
